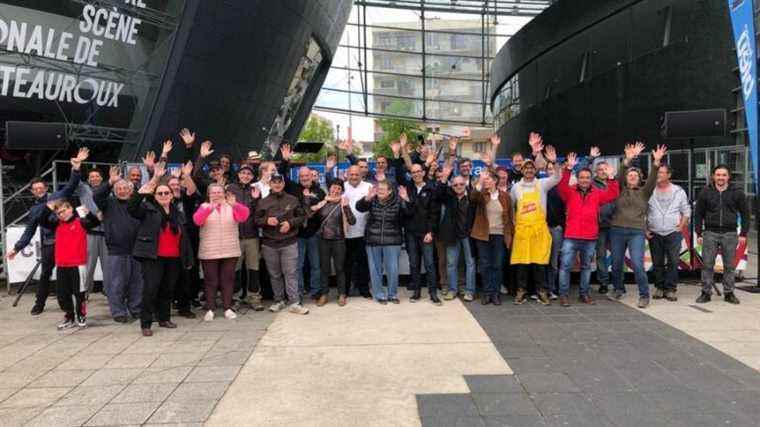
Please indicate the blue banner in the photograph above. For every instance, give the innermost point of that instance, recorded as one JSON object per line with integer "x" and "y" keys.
{"x": 742, "y": 18}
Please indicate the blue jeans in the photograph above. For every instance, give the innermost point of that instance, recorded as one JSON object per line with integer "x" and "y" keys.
{"x": 602, "y": 264}
{"x": 415, "y": 246}
{"x": 309, "y": 247}
{"x": 379, "y": 257}
{"x": 491, "y": 256}
{"x": 632, "y": 239}
{"x": 552, "y": 270}
{"x": 569, "y": 248}
{"x": 452, "y": 261}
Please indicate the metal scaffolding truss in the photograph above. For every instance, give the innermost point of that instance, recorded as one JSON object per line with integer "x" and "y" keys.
{"x": 489, "y": 7}
{"x": 425, "y": 60}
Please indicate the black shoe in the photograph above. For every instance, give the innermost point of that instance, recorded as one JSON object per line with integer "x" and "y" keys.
{"x": 703, "y": 298}
{"x": 366, "y": 295}
{"x": 435, "y": 300}
{"x": 37, "y": 309}
{"x": 121, "y": 319}
{"x": 730, "y": 298}
{"x": 603, "y": 289}
{"x": 416, "y": 296}
{"x": 394, "y": 300}
{"x": 485, "y": 299}
{"x": 196, "y": 303}
{"x": 383, "y": 301}
{"x": 496, "y": 299}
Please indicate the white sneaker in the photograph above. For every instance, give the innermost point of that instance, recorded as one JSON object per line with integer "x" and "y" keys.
{"x": 552, "y": 296}
{"x": 468, "y": 296}
{"x": 298, "y": 309}
{"x": 229, "y": 314}
{"x": 209, "y": 316}
{"x": 279, "y": 305}
{"x": 503, "y": 290}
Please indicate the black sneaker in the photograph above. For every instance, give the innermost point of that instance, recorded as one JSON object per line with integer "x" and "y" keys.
{"x": 37, "y": 309}
{"x": 394, "y": 300}
{"x": 730, "y": 298}
{"x": 703, "y": 298}
{"x": 603, "y": 289}
{"x": 485, "y": 299}
{"x": 435, "y": 300}
{"x": 382, "y": 301}
{"x": 121, "y": 319}
{"x": 496, "y": 299}
{"x": 416, "y": 296}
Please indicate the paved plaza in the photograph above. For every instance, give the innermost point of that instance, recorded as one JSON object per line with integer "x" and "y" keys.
{"x": 611, "y": 364}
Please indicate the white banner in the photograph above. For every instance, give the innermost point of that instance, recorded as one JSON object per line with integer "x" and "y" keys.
{"x": 23, "y": 263}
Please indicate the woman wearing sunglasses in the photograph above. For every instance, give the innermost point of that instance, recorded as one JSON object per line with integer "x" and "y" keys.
{"x": 162, "y": 247}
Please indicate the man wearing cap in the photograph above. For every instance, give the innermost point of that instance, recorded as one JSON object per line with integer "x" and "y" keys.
{"x": 249, "y": 195}
{"x": 532, "y": 243}
{"x": 280, "y": 215}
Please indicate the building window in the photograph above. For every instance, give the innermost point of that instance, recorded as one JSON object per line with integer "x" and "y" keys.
{"x": 478, "y": 147}
{"x": 387, "y": 84}
{"x": 386, "y": 63}
{"x": 458, "y": 41}
{"x": 406, "y": 41}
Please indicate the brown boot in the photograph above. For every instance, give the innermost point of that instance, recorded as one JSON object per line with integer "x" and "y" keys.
{"x": 564, "y": 301}
{"x": 586, "y": 300}
{"x": 146, "y": 332}
{"x": 342, "y": 300}
{"x": 520, "y": 297}
{"x": 322, "y": 300}
{"x": 543, "y": 297}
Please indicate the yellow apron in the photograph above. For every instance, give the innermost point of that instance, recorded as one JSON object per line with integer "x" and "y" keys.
{"x": 532, "y": 242}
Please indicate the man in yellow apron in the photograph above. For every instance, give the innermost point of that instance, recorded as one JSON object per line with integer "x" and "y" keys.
{"x": 532, "y": 242}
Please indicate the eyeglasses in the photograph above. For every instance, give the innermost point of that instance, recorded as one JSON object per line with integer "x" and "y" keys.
{"x": 163, "y": 193}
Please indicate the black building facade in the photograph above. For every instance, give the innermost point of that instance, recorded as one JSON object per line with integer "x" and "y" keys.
{"x": 603, "y": 72}
{"x": 126, "y": 75}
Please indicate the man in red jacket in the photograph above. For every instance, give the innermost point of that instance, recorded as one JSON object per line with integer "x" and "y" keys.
{"x": 582, "y": 202}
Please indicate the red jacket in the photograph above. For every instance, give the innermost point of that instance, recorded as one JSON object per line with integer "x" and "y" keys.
{"x": 583, "y": 210}
{"x": 70, "y": 244}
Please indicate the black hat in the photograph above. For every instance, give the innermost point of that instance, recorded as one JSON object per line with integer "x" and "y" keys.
{"x": 276, "y": 177}
{"x": 250, "y": 169}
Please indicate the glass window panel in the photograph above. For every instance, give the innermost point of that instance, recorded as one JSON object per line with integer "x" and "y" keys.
{"x": 395, "y": 106}
{"x": 454, "y": 66}
{"x": 454, "y": 111}
{"x": 454, "y": 90}
{"x": 396, "y": 62}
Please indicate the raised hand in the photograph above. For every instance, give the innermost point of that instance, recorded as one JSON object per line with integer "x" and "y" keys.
{"x": 82, "y": 155}
{"x": 114, "y": 174}
{"x": 272, "y": 221}
{"x": 396, "y": 148}
{"x": 550, "y": 153}
{"x": 176, "y": 172}
{"x": 206, "y": 149}
{"x": 331, "y": 161}
{"x": 167, "y": 147}
{"x": 536, "y": 142}
{"x": 403, "y": 193}
{"x": 430, "y": 159}
{"x": 486, "y": 157}
{"x": 230, "y": 198}
{"x": 402, "y": 140}
{"x": 307, "y": 192}
{"x": 187, "y": 137}
{"x": 594, "y": 152}
{"x": 255, "y": 192}
{"x": 159, "y": 170}
{"x": 345, "y": 146}
{"x": 286, "y": 151}
{"x": 149, "y": 160}
{"x": 495, "y": 141}
{"x": 659, "y": 153}
{"x": 428, "y": 238}
{"x": 571, "y": 160}
{"x": 446, "y": 171}
{"x": 371, "y": 193}
{"x": 453, "y": 142}
{"x": 187, "y": 169}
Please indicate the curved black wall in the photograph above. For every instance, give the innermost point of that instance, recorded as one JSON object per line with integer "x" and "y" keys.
{"x": 631, "y": 77}
{"x": 231, "y": 67}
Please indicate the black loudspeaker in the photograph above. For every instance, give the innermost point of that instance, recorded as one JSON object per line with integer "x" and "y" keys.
{"x": 694, "y": 124}
{"x": 308, "y": 147}
{"x": 35, "y": 136}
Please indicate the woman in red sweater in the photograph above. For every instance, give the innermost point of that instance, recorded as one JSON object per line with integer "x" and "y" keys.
{"x": 70, "y": 257}
{"x": 162, "y": 247}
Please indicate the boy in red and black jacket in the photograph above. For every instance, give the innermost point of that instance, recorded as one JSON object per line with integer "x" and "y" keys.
{"x": 70, "y": 257}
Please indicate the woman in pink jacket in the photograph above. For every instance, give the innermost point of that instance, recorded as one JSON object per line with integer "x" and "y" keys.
{"x": 219, "y": 246}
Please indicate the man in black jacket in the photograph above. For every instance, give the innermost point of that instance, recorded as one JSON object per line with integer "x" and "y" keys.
{"x": 39, "y": 189}
{"x": 454, "y": 231}
{"x": 720, "y": 206}
{"x": 419, "y": 226}
{"x": 125, "y": 285}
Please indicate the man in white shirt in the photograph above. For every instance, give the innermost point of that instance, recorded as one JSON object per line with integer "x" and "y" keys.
{"x": 356, "y": 255}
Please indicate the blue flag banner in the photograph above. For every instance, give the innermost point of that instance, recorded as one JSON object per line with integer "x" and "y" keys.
{"x": 742, "y": 18}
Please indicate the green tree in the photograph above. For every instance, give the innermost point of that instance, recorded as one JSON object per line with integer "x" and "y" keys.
{"x": 394, "y": 127}
{"x": 317, "y": 129}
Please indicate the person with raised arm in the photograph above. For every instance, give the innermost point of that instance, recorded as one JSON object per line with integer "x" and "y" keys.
{"x": 357, "y": 266}
{"x": 39, "y": 190}
{"x": 532, "y": 242}
{"x": 162, "y": 247}
{"x": 629, "y": 224}
{"x": 582, "y": 203}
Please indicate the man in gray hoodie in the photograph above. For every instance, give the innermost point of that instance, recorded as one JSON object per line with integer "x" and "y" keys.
{"x": 668, "y": 214}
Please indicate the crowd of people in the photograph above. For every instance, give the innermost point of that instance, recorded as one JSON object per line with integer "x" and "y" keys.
{"x": 521, "y": 231}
